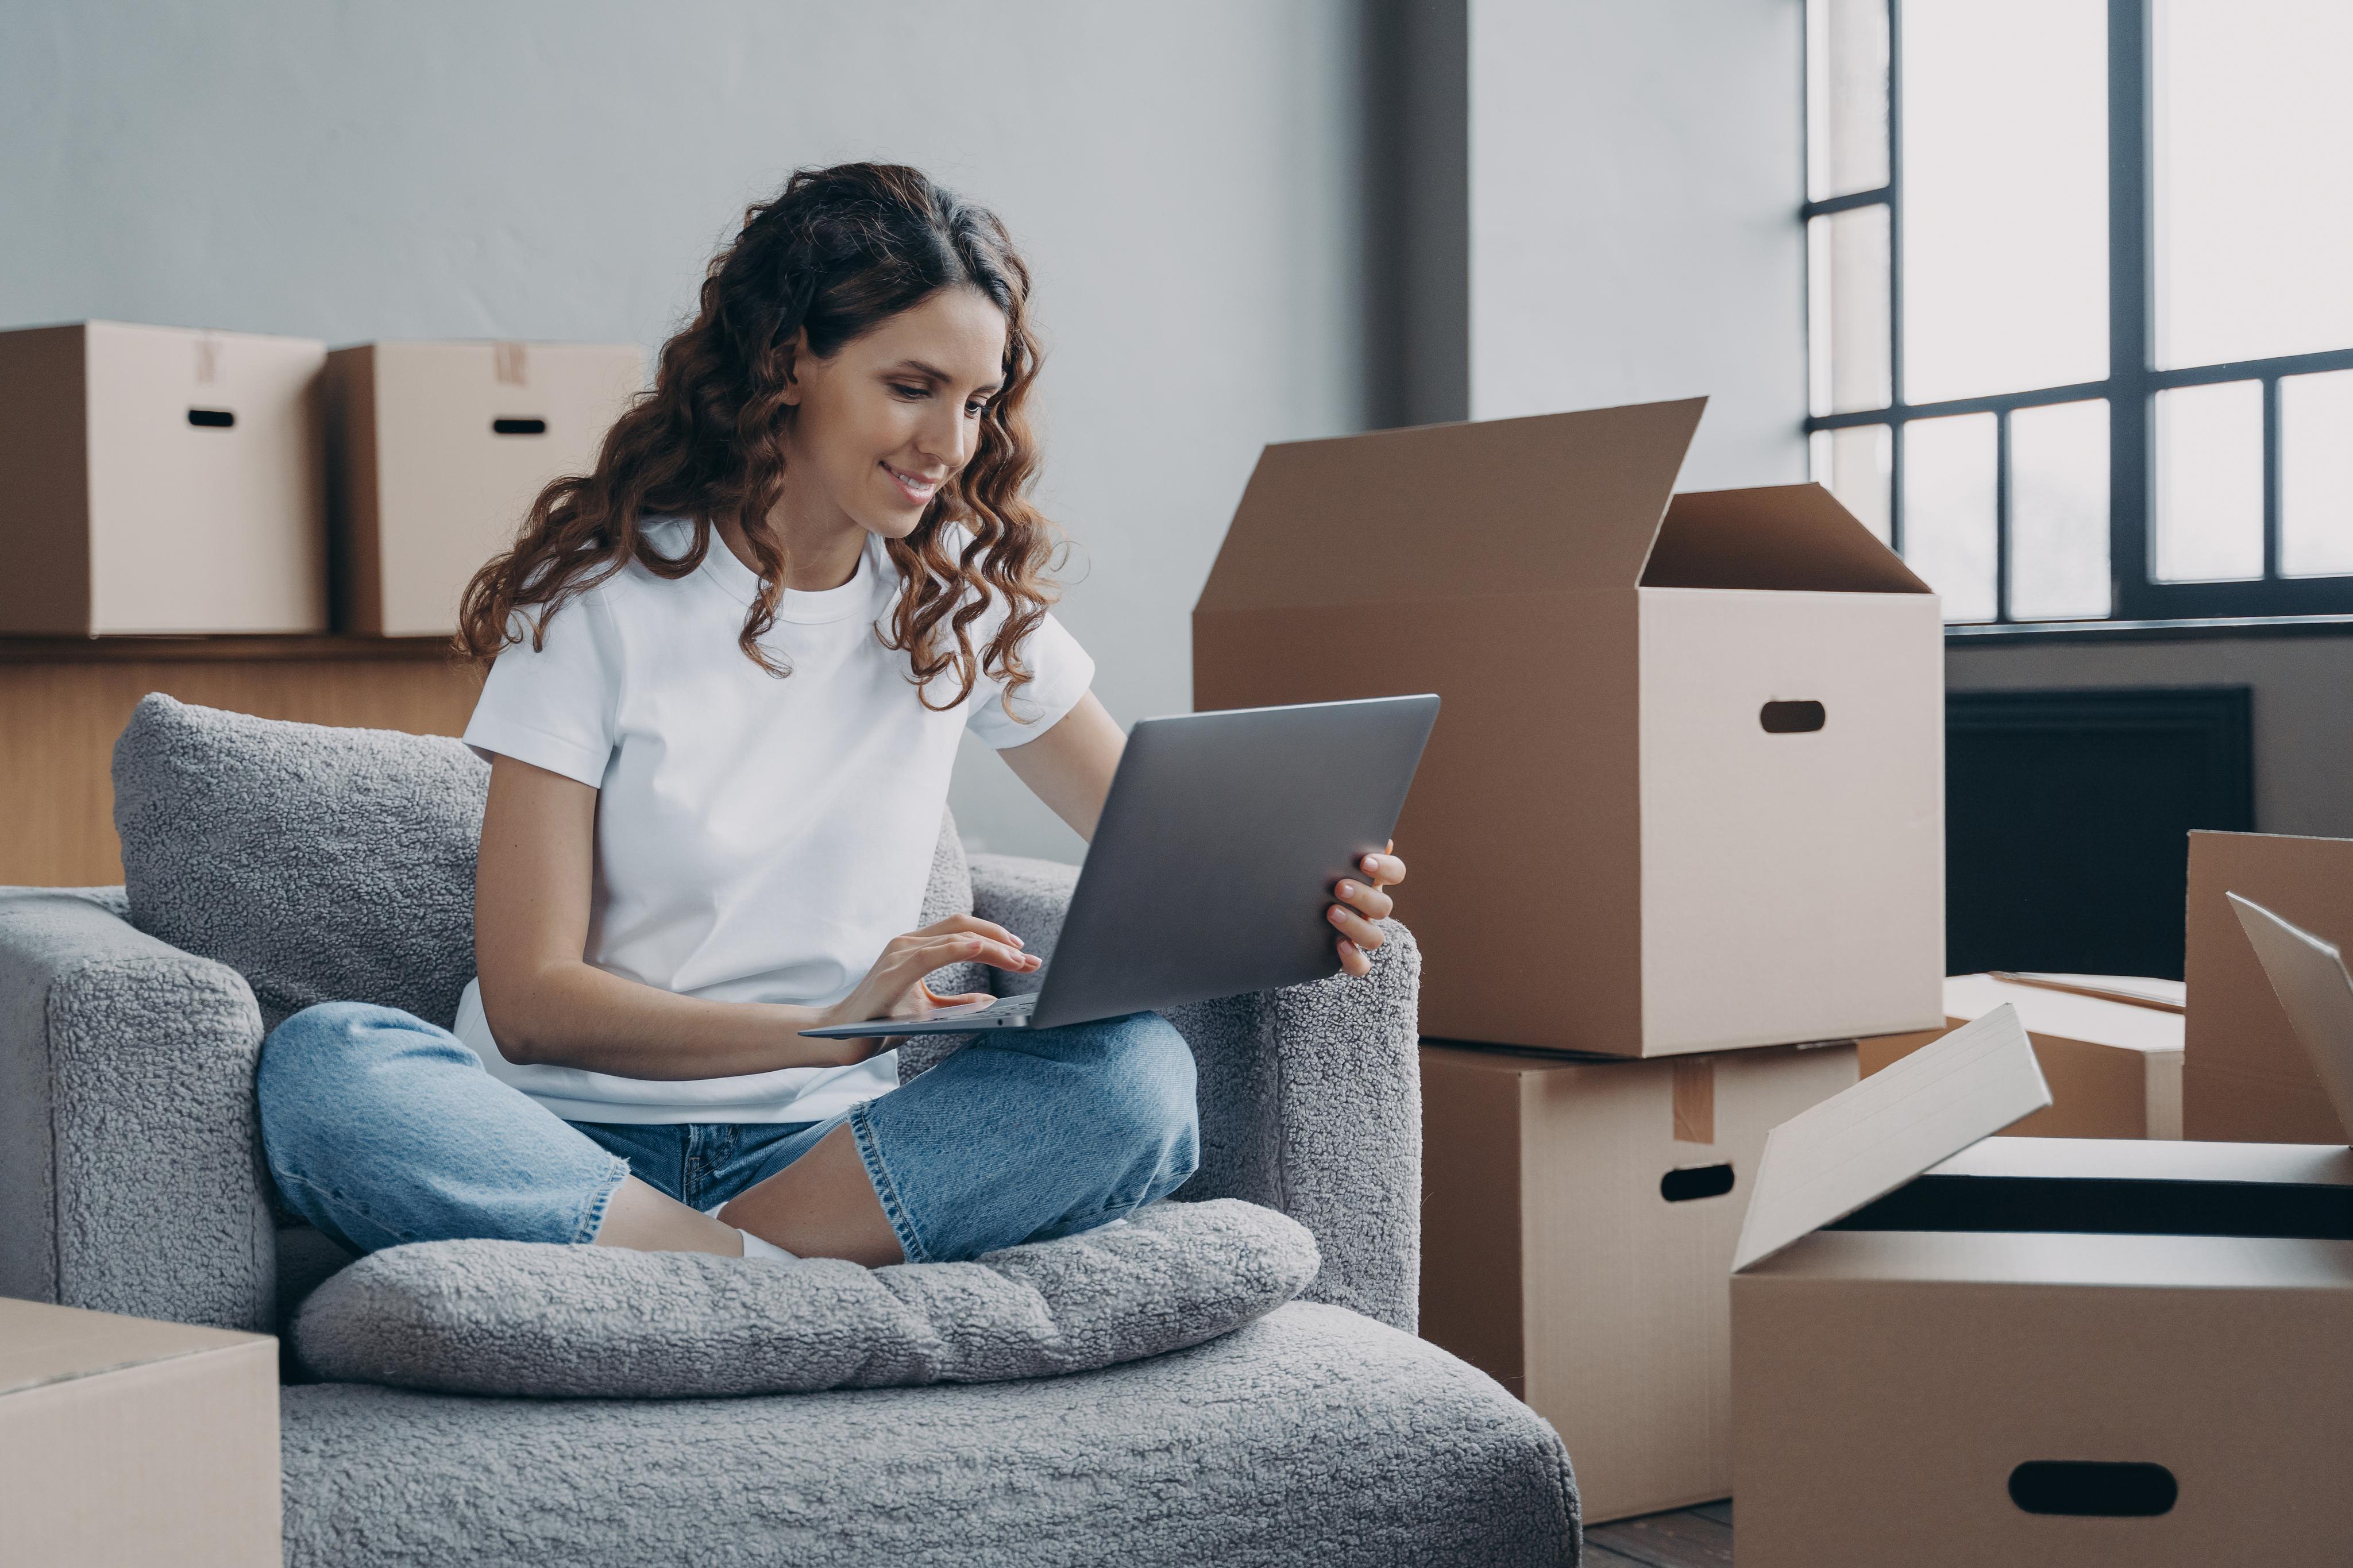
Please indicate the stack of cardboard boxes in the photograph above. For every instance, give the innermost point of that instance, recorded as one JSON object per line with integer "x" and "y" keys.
{"x": 167, "y": 481}
{"x": 1680, "y": 823}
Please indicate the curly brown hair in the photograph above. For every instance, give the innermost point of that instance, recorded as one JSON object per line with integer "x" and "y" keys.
{"x": 838, "y": 252}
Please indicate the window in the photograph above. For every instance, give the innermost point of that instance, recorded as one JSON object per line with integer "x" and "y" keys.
{"x": 2080, "y": 300}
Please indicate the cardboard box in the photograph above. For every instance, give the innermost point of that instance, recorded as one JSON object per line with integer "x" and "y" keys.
{"x": 2114, "y": 1068}
{"x": 2247, "y": 1080}
{"x": 1690, "y": 777}
{"x": 160, "y": 481}
{"x": 126, "y": 1443}
{"x": 1577, "y": 1222}
{"x": 1952, "y": 1348}
{"x": 439, "y": 450}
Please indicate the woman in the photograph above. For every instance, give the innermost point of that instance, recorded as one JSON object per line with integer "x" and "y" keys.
{"x": 730, "y": 670}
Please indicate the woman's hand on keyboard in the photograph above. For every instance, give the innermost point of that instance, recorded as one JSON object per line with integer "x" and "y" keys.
{"x": 894, "y": 987}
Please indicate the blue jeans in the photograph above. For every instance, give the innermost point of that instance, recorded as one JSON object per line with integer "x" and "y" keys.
{"x": 382, "y": 1129}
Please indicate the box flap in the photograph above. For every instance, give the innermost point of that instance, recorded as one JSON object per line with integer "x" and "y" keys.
{"x": 2308, "y": 975}
{"x": 1872, "y": 1139}
{"x": 1790, "y": 537}
{"x": 2065, "y": 1014}
{"x": 2153, "y": 1159}
{"x": 1555, "y": 503}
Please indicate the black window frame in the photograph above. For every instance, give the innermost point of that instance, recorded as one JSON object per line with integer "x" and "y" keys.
{"x": 2130, "y": 388}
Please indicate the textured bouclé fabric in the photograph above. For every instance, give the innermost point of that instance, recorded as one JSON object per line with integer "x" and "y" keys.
{"x": 130, "y": 1163}
{"x": 323, "y": 865}
{"x": 330, "y": 865}
{"x": 1310, "y": 1096}
{"x": 508, "y": 1317}
{"x": 1309, "y": 1437}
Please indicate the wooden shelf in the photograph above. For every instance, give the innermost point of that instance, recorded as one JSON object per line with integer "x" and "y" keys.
{"x": 226, "y": 650}
{"x": 63, "y": 701}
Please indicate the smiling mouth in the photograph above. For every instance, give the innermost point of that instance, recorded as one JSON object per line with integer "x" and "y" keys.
{"x": 916, "y": 489}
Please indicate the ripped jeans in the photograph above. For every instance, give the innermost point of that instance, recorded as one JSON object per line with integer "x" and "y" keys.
{"x": 382, "y": 1129}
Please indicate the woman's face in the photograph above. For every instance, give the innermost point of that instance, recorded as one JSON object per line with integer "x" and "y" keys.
{"x": 894, "y": 413}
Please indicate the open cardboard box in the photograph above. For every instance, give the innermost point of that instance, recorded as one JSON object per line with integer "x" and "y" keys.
{"x": 1688, "y": 791}
{"x": 2114, "y": 1067}
{"x": 2245, "y": 1077}
{"x": 1955, "y": 1348}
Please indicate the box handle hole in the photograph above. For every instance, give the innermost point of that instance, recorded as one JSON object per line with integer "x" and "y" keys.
{"x": 1791, "y": 718}
{"x": 518, "y": 426}
{"x": 1681, "y": 1187}
{"x": 211, "y": 418}
{"x": 2092, "y": 1488}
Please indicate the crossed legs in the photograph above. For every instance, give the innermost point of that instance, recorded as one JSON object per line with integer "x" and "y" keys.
{"x": 382, "y": 1129}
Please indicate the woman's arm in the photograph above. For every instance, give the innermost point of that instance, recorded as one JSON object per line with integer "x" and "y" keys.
{"x": 546, "y": 1003}
{"x": 1070, "y": 767}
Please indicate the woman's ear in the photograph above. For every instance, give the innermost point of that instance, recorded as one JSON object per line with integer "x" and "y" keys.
{"x": 792, "y": 367}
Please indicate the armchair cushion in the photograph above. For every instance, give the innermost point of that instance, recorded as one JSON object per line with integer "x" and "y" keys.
{"x": 323, "y": 865}
{"x": 516, "y": 1318}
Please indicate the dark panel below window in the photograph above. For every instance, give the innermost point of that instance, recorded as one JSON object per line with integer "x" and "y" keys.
{"x": 2067, "y": 816}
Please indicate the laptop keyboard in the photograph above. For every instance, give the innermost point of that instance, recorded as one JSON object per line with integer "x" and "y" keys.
{"x": 1009, "y": 1006}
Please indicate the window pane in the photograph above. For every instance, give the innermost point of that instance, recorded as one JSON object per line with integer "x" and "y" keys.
{"x": 1948, "y": 510}
{"x": 2210, "y": 483}
{"x": 1855, "y": 466}
{"x": 1846, "y": 97}
{"x": 2058, "y": 512}
{"x": 2317, "y": 475}
{"x": 1846, "y": 257}
{"x": 2255, "y": 178}
{"x": 2005, "y": 195}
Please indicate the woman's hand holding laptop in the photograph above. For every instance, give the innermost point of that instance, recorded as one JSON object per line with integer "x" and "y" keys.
{"x": 1361, "y": 904}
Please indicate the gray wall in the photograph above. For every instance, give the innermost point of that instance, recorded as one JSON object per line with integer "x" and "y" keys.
{"x": 2302, "y": 714}
{"x": 1250, "y": 221}
{"x": 1189, "y": 181}
{"x": 1635, "y": 167}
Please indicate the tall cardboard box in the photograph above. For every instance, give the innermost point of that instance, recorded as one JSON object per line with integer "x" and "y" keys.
{"x": 439, "y": 450}
{"x": 1690, "y": 776}
{"x": 2246, "y": 1079}
{"x": 2114, "y": 1068}
{"x": 1578, "y": 1223}
{"x": 126, "y": 1443}
{"x": 159, "y": 480}
{"x": 1950, "y": 1348}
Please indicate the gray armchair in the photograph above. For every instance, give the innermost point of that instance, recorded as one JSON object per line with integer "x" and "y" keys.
{"x": 1325, "y": 1433}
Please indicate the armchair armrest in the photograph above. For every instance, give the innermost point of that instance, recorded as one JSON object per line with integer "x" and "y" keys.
{"x": 1310, "y": 1096}
{"x": 130, "y": 1174}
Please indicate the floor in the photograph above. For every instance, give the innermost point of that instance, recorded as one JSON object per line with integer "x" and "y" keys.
{"x": 1690, "y": 1538}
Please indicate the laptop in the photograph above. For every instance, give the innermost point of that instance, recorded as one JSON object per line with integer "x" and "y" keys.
{"x": 1213, "y": 863}
{"x": 2315, "y": 991}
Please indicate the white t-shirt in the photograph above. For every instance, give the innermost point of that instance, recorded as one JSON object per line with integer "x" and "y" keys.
{"x": 757, "y": 839}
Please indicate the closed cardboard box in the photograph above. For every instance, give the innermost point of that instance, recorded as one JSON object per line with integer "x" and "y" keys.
{"x": 439, "y": 450}
{"x": 1577, "y": 1221}
{"x": 160, "y": 481}
{"x": 126, "y": 1443}
{"x": 1950, "y": 1348}
{"x": 1690, "y": 773}
{"x": 2114, "y": 1067}
{"x": 2246, "y": 1079}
